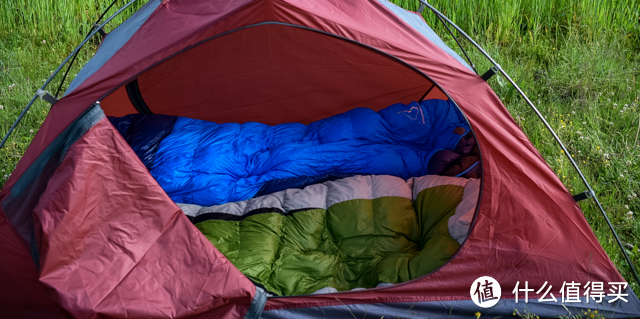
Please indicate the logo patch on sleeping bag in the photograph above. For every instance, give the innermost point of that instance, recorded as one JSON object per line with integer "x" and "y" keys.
{"x": 414, "y": 113}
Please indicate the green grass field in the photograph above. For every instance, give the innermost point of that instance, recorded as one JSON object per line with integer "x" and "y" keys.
{"x": 578, "y": 61}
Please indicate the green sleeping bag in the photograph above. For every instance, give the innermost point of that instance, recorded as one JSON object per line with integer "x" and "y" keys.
{"x": 356, "y": 232}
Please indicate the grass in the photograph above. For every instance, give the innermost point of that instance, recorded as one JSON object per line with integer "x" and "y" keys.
{"x": 505, "y": 21}
{"x": 578, "y": 60}
{"x": 35, "y": 36}
{"x": 59, "y": 22}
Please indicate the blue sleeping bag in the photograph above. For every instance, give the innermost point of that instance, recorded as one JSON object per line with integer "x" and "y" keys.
{"x": 204, "y": 163}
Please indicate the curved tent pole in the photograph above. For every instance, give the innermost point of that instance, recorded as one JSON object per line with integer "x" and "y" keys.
{"x": 459, "y": 45}
{"x": 421, "y": 9}
{"x": 41, "y": 90}
{"x": 591, "y": 193}
{"x": 64, "y": 77}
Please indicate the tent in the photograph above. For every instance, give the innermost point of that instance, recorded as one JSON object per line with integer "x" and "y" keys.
{"x": 87, "y": 232}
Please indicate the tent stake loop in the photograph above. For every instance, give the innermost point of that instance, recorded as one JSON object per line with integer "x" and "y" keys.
{"x": 582, "y": 196}
{"x": 45, "y": 95}
{"x": 490, "y": 73}
{"x": 100, "y": 30}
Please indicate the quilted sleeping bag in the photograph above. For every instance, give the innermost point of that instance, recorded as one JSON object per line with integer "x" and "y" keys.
{"x": 356, "y": 232}
{"x": 204, "y": 163}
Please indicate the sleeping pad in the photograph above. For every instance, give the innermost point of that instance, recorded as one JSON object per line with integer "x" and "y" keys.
{"x": 204, "y": 163}
{"x": 356, "y": 232}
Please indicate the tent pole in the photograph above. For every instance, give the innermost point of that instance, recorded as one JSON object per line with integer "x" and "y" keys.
{"x": 427, "y": 93}
{"x": 458, "y": 42}
{"x": 555, "y": 136}
{"x": 96, "y": 30}
{"x": 64, "y": 77}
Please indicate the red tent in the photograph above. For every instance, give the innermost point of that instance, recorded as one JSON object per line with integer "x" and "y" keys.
{"x": 87, "y": 232}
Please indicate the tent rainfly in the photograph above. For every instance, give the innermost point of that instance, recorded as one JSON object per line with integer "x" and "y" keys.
{"x": 86, "y": 231}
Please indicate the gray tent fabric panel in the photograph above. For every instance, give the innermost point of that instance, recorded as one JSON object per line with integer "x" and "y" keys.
{"x": 417, "y": 23}
{"x": 113, "y": 42}
{"x": 454, "y": 309}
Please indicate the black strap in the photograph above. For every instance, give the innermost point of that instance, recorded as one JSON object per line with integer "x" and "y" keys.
{"x": 427, "y": 93}
{"x": 47, "y": 96}
{"x": 133, "y": 90}
{"x": 491, "y": 72}
{"x": 582, "y": 196}
{"x": 101, "y": 31}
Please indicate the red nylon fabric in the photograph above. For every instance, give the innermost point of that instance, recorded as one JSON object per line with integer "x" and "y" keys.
{"x": 118, "y": 103}
{"x": 274, "y": 74}
{"x": 21, "y": 295}
{"x": 528, "y": 226}
{"x": 114, "y": 243}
